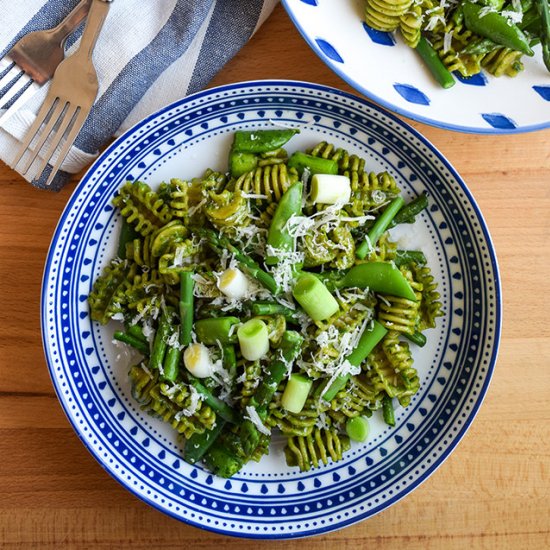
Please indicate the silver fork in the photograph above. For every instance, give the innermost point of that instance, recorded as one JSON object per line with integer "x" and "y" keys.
{"x": 33, "y": 59}
{"x": 71, "y": 95}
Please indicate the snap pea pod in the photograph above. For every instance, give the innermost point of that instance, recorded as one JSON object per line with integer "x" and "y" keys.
{"x": 416, "y": 338}
{"x": 496, "y": 27}
{"x": 380, "y": 225}
{"x": 241, "y": 163}
{"x": 380, "y": 277}
{"x": 279, "y": 237}
{"x": 218, "y": 243}
{"x": 199, "y": 443}
{"x": 367, "y": 342}
{"x": 434, "y": 63}
{"x": 315, "y": 165}
{"x": 261, "y": 141}
{"x": 543, "y": 9}
{"x": 131, "y": 340}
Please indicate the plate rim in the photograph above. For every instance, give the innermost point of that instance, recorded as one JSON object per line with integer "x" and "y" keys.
{"x": 400, "y": 110}
{"x": 266, "y": 84}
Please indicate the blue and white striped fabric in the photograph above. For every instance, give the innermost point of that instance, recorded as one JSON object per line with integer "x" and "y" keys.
{"x": 149, "y": 53}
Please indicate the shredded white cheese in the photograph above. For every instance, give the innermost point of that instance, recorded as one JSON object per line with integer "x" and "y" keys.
{"x": 254, "y": 417}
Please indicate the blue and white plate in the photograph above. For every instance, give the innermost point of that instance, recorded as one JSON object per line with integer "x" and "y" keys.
{"x": 382, "y": 67}
{"x": 269, "y": 499}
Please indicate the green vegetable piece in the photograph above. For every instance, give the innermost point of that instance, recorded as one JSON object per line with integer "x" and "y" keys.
{"x": 296, "y": 392}
{"x": 127, "y": 235}
{"x": 221, "y": 462}
{"x": 199, "y": 443}
{"x": 434, "y": 63}
{"x": 137, "y": 332}
{"x": 409, "y": 211}
{"x": 136, "y": 343}
{"x": 171, "y": 367}
{"x": 496, "y": 27}
{"x": 367, "y": 342}
{"x": 289, "y": 348}
{"x": 273, "y": 308}
{"x": 357, "y": 428}
{"x": 543, "y": 8}
{"x": 261, "y": 141}
{"x": 186, "y": 307}
{"x": 279, "y": 237}
{"x": 382, "y": 277}
{"x": 218, "y": 243}
{"x": 229, "y": 359}
{"x": 219, "y": 406}
{"x": 416, "y": 338}
{"x": 314, "y": 297}
{"x": 407, "y": 257}
{"x": 241, "y": 163}
{"x": 253, "y": 339}
{"x": 481, "y": 46}
{"x": 380, "y": 225}
{"x": 217, "y": 329}
{"x": 160, "y": 342}
{"x": 315, "y": 165}
{"x": 387, "y": 410}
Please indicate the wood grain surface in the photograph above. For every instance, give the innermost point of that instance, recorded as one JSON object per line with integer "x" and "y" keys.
{"x": 493, "y": 492}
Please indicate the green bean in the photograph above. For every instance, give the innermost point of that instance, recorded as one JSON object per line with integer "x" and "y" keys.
{"x": 139, "y": 345}
{"x": 186, "y": 307}
{"x": 367, "y": 342}
{"x": 229, "y": 360}
{"x": 159, "y": 343}
{"x": 380, "y": 225}
{"x": 199, "y": 443}
{"x": 315, "y": 165}
{"x": 216, "y": 329}
{"x": 219, "y": 406}
{"x": 137, "y": 332}
{"x": 417, "y": 338}
{"x": 279, "y": 237}
{"x": 387, "y": 410}
{"x": 171, "y": 366}
{"x": 408, "y": 213}
{"x": 434, "y": 63}
{"x": 273, "y": 308}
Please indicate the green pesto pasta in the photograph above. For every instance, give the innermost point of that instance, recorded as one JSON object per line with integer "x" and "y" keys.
{"x": 220, "y": 331}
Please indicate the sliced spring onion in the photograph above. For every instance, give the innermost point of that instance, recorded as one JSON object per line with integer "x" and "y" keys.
{"x": 357, "y": 428}
{"x": 296, "y": 392}
{"x": 196, "y": 359}
{"x": 315, "y": 297}
{"x": 330, "y": 189}
{"x": 253, "y": 339}
{"x": 233, "y": 283}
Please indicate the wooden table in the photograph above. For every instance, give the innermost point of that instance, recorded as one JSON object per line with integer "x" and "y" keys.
{"x": 493, "y": 492}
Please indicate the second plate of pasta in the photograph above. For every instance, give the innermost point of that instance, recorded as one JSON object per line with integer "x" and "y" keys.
{"x": 383, "y": 67}
{"x": 287, "y": 490}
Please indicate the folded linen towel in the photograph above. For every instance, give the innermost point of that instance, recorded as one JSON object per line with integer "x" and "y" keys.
{"x": 149, "y": 53}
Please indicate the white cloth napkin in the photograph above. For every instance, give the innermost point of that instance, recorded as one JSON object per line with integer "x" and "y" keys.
{"x": 149, "y": 53}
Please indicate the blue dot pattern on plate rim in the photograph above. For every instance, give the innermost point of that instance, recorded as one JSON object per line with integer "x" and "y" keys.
{"x": 285, "y": 504}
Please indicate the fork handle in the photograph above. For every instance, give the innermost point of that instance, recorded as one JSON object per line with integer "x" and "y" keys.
{"x": 96, "y": 18}
{"x": 71, "y": 22}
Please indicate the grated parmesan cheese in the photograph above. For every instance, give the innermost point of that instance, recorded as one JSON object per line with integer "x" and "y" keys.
{"x": 254, "y": 417}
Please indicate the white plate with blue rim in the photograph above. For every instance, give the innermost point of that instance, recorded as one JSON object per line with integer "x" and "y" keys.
{"x": 382, "y": 67}
{"x": 269, "y": 499}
